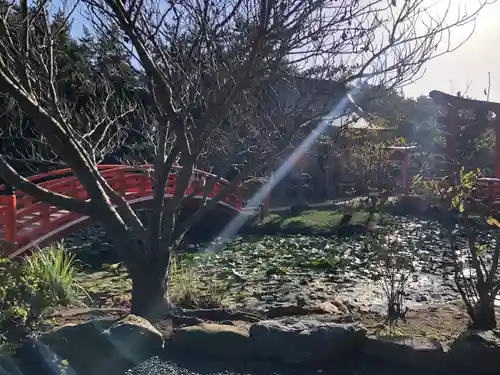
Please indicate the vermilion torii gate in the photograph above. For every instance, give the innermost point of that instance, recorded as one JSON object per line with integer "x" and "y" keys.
{"x": 481, "y": 115}
{"x": 486, "y": 115}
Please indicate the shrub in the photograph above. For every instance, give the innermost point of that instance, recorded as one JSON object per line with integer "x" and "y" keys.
{"x": 59, "y": 270}
{"x": 188, "y": 290}
{"x": 394, "y": 269}
{"x": 30, "y": 290}
{"x": 23, "y": 300}
{"x": 461, "y": 213}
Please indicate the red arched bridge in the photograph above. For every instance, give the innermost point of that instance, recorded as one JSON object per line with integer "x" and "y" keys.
{"x": 27, "y": 223}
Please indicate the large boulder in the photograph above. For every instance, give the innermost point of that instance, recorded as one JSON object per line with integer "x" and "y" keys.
{"x": 212, "y": 340}
{"x": 9, "y": 365}
{"x": 408, "y": 351}
{"x": 97, "y": 347}
{"x": 306, "y": 340}
{"x": 476, "y": 351}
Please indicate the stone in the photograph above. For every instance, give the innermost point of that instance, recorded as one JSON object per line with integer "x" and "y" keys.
{"x": 421, "y": 297}
{"x": 409, "y": 204}
{"x": 408, "y": 351}
{"x": 101, "y": 346}
{"x": 9, "y": 365}
{"x": 332, "y": 307}
{"x": 328, "y": 307}
{"x": 135, "y": 338}
{"x": 288, "y": 309}
{"x": 304, "y": 340}
{"x": 6, "y": 247}
{"x": 220, "y": 341}
{"x": 477, "y": 351}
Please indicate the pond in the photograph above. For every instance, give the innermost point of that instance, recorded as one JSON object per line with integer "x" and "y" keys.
{"x": 278, "y": 269}
{"x": 274, "y": 271}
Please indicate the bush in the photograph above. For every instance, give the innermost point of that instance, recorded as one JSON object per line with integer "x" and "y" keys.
{"x": 23, "y": 300}
{"x": 59, "y": 270}
{"x": 462, "y": 211}
{"x": 394, "y": 269}
{"x": 30, "y": 290}
{"x": 188, "y": 290}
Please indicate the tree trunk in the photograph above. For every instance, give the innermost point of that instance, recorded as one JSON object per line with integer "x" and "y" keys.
{"x": 150, "y": 292}
{"x": 484, "y": 318}
{"x": 149, "y": 277}
{"x": 484, "y": 313}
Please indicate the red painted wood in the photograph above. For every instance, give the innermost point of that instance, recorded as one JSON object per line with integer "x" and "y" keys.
{"x": 497, "y": 146}
{"x": 451, "y": 122}
{"x": 26, "y": 221}
{"x": 406, "y": 184}
{"x": 10, "y": 220}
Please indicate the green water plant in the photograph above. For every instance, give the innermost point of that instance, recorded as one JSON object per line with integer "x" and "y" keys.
{"x": 463, "y": 211}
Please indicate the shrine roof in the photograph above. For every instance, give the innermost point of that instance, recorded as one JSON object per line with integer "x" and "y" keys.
{"x": 463, "y": 103}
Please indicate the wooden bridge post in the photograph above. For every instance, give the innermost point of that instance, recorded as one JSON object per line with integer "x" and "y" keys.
{"x": 451, "y": 122}
{"x": 10, "y": 216}
{"x": 268, "y": 195}
{"x": 122, "y": 182}
{"x": 497, "y": 145}
{"x": 406, "y": 185}
{"x": 45, "y": 215}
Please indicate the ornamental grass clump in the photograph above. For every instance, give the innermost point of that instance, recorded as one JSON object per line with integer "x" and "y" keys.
{"x": 31, "y": 288}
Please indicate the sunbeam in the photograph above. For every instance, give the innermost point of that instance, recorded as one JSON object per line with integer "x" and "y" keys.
{"x": 234, "y": 225}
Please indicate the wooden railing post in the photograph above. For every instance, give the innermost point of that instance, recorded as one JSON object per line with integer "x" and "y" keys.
{"x": 265, "y": 208}
{"x": 122, "y": 189}
{"x": 10, "y": 216}
{"x": 497, "y": 146}
{"x": 144, "y": 180}
{"x": 45, "y": 215}
{"x": 236, "y": 199}
{"x": 406, "y": 185}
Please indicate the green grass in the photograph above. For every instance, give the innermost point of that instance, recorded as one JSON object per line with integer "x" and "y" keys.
{"x": 316, "y": 221}
{"x": 188, "y": 288}
{"x": 58, "y": 269}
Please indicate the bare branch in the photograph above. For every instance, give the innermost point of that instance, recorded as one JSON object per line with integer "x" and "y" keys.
{"x": 44, "y": 195}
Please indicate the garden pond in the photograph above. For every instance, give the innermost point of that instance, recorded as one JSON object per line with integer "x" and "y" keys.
{"x": 279, "y": 271}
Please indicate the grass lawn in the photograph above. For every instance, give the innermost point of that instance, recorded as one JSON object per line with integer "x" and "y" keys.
{"x": 317, "y": 221}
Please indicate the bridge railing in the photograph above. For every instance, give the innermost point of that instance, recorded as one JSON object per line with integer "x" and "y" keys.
{"x": 488, "y": 189}
{"x": 21, "y": 211}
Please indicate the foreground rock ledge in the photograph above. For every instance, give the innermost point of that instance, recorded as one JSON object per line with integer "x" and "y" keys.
{"x": 289, "y": 340}
{"x": 109, "y": 347}
{"x": 476, "y": 351}
{"x": 295, "y": 340}
{"x": 414, "y": 352}
{"x": 98, "y": 347}
{"x": 219, "y": 341}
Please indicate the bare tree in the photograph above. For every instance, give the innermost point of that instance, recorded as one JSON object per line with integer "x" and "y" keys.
{"x": 257, "y": 73}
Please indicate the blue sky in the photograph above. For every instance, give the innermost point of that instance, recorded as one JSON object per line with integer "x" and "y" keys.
{"x": 461, "y": 70}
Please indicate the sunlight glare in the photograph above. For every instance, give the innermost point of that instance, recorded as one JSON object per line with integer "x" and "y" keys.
{"x": 234, "y": 226}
